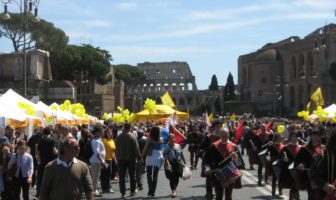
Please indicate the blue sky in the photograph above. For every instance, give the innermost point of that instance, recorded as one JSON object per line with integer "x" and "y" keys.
{"x": 208, "y": 34}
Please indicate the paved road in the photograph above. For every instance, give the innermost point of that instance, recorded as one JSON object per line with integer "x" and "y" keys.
{"x": 195, "y": 188}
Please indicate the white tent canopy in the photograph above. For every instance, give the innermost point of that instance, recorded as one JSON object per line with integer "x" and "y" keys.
{"x": 45, "y": 108}
{"x": 11, "y": 114}
{"x": 330, "y": 109}
{"x": 11, "y": 99}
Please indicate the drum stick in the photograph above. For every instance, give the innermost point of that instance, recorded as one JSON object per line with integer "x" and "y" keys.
{"x": 221, "y": 162}
{"x": 265, "y": 145}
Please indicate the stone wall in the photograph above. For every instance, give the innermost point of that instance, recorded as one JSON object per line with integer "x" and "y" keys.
{"x": 173, "y": 77}
{"x": 283, "y": 75}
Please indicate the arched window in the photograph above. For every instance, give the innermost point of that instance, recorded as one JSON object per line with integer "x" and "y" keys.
{"x": 292, "y": 97}
{"x": 144, "y": 87}
{"x": 174, "y": 99}
{"x": 190, "y": 101}
{"x": 151, "y": 87}
{"x": 181, "y": 101}
{"x": 293, "y": 66}
{"x": 302, "y": 66}
{"x": 310, "y": 64}
{"x": 300, "y": 97}
{"x": 174, "y": 87}
{"x": 190, "y": 86}
{"x": 308, "y": 94}
{"x": 244, "y": 75}
{"x": 158, "y": 87}
{"x": 182, "y": 86}
{"x": 166, "y": 86}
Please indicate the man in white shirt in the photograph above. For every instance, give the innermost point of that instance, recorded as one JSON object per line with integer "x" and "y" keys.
{"x": 97, "y": 160}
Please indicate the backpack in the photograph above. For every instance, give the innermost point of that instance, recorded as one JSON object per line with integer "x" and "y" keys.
{"x": 87, "y": 152}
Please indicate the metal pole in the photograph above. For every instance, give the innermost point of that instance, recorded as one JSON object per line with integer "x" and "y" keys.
{"x": 24, "y": 46}
{"x": 82, "y": 84}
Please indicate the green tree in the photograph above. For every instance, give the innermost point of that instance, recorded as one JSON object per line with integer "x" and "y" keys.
{"x": 72, "y": 58}
{"x": 332, "y": 70}
{"x": 128, "y": 73}
{"x": 229, "y": 88}
{"x": 42, "y": 34}
{"x": 214, "y": 83}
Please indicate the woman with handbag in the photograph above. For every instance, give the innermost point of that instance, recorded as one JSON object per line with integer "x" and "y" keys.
{"x": 7, "y": 176}
{"x": 154, "y": 158}
{"x": 24, "y": 170}
{"x": 174, "y": 168}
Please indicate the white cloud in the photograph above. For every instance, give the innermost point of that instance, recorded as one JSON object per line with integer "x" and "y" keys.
{"x": 325, "y": 4}
{"x": 127, "y": 6}
{"x": 223, "y": 14}
{"x": 86, "y": 23}
{"x": 238, "y": 12}
{"x": 182, "y": 33}
{"x": 134, "y": 50}
{"x": 98, "y": 24}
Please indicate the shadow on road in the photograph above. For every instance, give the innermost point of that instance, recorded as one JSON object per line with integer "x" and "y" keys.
{"x": 191, "y": 198}
{"x": 198, "y": 186}
{"x": 139, "y": 197}
{"x": 262, "y": 197}
{"x": 251, "y": 185}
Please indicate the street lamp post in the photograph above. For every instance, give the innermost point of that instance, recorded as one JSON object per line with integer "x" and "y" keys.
{"x": 25, "y": 6}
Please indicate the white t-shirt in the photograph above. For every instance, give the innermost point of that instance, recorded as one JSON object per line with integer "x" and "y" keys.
{"x": 97, "y": 147}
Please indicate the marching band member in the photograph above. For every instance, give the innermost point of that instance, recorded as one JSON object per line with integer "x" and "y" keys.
{"x": 251, "y": 148}
{"x": 204, "y": 147}
{"x": 303, "y": 161}
{"x": 261, "y": 142}
{"x": 218, "y": 156}
{"x": 288, "y": 154}
{"x": 323, "y": 171}
{"x": 274, "y": 150}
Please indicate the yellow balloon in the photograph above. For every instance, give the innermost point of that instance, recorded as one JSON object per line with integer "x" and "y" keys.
{"x": 281, "y": 129}
{"x": 67, "y": 102}
{"x": 119, "y": 108}
{"x": 53, "y": 107}
{"x": 21, "y": 105}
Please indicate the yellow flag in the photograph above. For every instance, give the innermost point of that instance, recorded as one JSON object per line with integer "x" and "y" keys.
{"x": 211, "y": 117}
{"x": 167, "y": 100}
{"x": 317, "y": 97}
{"x": 233, "y": 117}
{"x": 308, "y": 107}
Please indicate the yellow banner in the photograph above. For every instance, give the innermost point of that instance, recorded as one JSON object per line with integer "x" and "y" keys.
{"x": 167, "y": 100}
{"x": 233, "y": 117}
{"x": 317, "y": 97}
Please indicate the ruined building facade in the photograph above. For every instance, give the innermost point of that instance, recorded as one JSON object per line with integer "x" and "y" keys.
{"x": 40, "y": 85}
{"x": 174, "y": 77}
{"x": 279, "y": 78}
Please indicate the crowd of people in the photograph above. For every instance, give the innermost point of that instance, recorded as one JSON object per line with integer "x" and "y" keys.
{"x": 66, "y": 162}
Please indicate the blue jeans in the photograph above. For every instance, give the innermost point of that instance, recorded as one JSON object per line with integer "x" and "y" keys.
{"x": 152, "y": 175}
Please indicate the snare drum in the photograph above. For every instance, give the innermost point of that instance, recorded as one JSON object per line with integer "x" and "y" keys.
{"x": 276, "y": 168}
{"x": 292, "y": 170}
{"x": 228, "y": 175}
{"x": 262, "y": 156}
